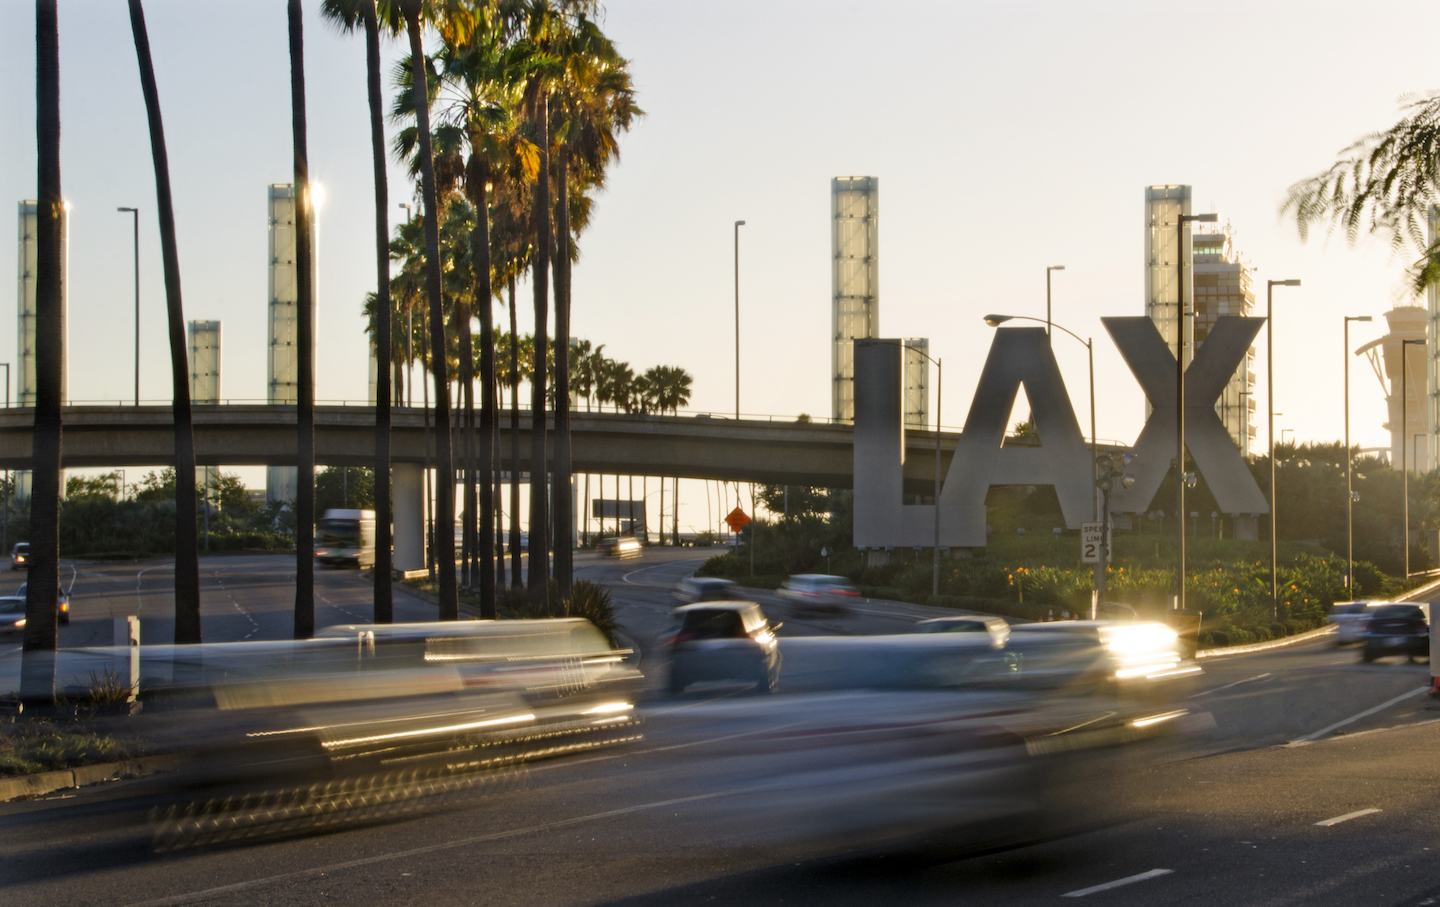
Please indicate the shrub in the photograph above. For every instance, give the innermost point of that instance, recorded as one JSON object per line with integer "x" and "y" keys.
{"x": 592, "y": 602}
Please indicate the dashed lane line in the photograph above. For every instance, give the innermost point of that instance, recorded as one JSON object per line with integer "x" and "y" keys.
{"x": 1118, "y": 883}
{"x": 1229, "y": 685}
{"x": 1347, "y": 817}
{"x": 254, "y": 624}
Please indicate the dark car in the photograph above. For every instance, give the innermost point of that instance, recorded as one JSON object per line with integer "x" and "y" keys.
{"x": 63, "y": 616}
{"x": 12, "y": 612}
{"x": 20, "y": 556}
{"x": 624, "y": 546}
{"x": 1395, "y": 630}
{"x": 724, "y": 641}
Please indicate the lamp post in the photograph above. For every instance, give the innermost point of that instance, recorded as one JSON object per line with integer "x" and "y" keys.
{"x": 1404, "y": 429}
{"x": 1270, "y": 286}
{"x": 738, "y": 225}
{"x": 136, "y": 213}
{"x": 939, "y": 386}
{"x": 1048, "y": 323}
{"x": 5, "y": 520}
{"x": 409, "y": 335}
{"x": 1181, "y": 477}
{"x": 996, "y": 321}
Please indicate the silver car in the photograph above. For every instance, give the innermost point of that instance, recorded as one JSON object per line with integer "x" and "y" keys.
{"x": 996, "y": 627}
{"x": 723, "y": 641}
{"x": 1349, "y": 619}
{"x": 819, "y": 592}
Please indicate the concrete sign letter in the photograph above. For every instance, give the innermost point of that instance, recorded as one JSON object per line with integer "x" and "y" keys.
{"x": 1215, "y": 455}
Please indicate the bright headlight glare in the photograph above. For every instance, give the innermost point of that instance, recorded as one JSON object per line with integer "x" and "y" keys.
{"x": 1139, "y": 639}
{"x": 608, "y": 707}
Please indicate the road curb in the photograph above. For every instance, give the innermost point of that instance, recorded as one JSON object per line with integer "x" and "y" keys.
{"x": 42, "y": 783}
{"x": 1266, "y": 646}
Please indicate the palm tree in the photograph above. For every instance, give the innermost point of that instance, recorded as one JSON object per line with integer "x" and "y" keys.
{"x": 305, "y": 344}
{"x": 1384, "y": 183}
{"x": 187, "y": 553}
{"x": 593, "y": 99}
{"x": 480, "y": 74}
{"x": 37, "y": 681}
{"x": 346, "y": 13}
{"x": 445, "y": 498}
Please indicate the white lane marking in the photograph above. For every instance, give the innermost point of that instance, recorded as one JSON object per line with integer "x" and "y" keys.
{"x": 254, "y": 625}
{"x": 417, "y": 851}
{"x": 1128, "y": 880}
{"x": 626, "y": 577}
{"x": 1229, "y": 685}
{"x": 1354, "y": 718}
{"x": 1347, "y": 817}
{"x": 139, "y": 599}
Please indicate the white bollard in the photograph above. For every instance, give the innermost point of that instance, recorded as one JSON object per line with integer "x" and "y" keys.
{"x": 127, "y": 633}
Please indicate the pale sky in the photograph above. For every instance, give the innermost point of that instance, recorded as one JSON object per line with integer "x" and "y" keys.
{"x": 1007, "y": 136}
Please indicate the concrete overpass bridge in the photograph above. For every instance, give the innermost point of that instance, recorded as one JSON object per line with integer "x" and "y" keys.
{"x": 692, "y": 447}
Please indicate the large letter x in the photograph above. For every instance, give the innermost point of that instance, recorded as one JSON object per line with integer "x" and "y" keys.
{"x": 1215, "y": 454}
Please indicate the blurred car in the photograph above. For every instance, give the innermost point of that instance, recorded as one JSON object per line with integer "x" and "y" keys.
{"x": 1099, "y": 652}
{"x": 819, "y": 592}
{"x": 1115, "y": 611}
{"x": 1395, "y": 630}
{"x": 996, "y": 627}
{"x": 626, "y": 546}
{"x": 12, "y": 614}
{"x": 12, "y": 611}
{"x": 706, "y": 589}
{"x": 20, "y": 556}
{"x": 724, "y": 641}
{"x": 64, "y": 616}
{"x": 1349, "y": 619}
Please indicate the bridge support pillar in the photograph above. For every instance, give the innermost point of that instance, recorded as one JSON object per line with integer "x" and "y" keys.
{"x": 408, "y": 491}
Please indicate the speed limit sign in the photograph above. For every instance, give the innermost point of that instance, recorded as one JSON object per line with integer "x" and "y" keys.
{"x": 1092, "y": 535}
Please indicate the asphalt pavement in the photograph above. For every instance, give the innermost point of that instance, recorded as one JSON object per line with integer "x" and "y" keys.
{"x": 1316, "y": 786}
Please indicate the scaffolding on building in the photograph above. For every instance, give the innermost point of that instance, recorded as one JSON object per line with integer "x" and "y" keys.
{"x": 855, "y": 281}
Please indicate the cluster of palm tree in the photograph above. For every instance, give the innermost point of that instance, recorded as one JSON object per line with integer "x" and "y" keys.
{"x": 528, "y": 98}
{"x": 509, "y": 125}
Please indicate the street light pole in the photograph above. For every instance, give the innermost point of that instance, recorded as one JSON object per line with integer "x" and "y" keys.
{"x": 738, "y": 225}
{"x": 1180, "y": 474}
{"x": 1404, "y": 430}
{"x": 410, "y": 335}
{"x": 1349, "y": 468}
{"x": 1270, "y": 286}
{"x": 136, "y": 213}
{"x": 1047, "y": 300}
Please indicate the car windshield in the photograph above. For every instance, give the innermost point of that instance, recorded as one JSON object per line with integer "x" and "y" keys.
{"x": 951, "y": 626}
{"x": 22, "y": 548}
{"x": 713, "y": 625}
{"x": 12, "y": 605}
{"x": 1399, "y": 612}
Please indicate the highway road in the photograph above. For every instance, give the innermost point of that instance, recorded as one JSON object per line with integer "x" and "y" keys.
{"x": 1317, "y": 786}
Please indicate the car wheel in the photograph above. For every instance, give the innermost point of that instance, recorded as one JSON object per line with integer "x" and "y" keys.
{"x": 1366, "y": 656}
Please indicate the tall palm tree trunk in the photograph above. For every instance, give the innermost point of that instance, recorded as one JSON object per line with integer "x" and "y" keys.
{"x": 187, "y": 553}
{"x": 515, "y": 553}
{"x": 304, "y": 345}
{"x": 564, "y": 503}
{"x": 37, "y": 671}
{"x": 444, "y": 533}
{"x": 496, "y": 554}
{"x": 475, "y": 182}
{"x": 538, "y": 579}
{"x": 384, "y": 593}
